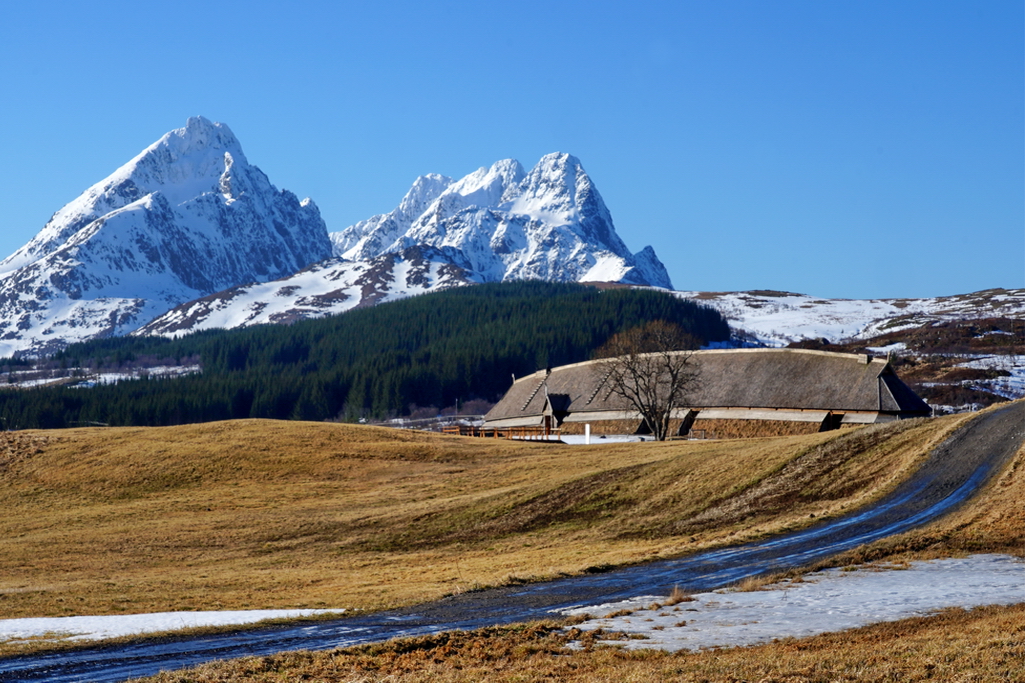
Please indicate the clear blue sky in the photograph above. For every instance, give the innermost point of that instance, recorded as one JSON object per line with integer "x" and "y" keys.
{"x": 843, "y": 149}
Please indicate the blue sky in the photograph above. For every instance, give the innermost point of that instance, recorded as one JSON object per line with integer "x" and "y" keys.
{"x": 841, "y": 149}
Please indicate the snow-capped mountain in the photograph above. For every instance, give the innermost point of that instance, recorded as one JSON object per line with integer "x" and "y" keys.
{"x": 187, "y": 217}
{"x": 326, "y": 288}
{"x": 546, "y": 224}
{"x": 498, "y": 223}
{"x": 167, "y": 242}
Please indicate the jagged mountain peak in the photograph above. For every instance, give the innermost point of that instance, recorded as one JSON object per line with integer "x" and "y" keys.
{"x": 197, "y": 139}
{"x": 489, "y": 186}
{"x": 203, "y": 157}
{"x": 425, "y": 190}
{"x": 547, "y": 223}
{"x": 186, "y": 217}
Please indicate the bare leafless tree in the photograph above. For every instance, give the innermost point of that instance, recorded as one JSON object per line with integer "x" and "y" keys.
{"x": 651, "y": 368}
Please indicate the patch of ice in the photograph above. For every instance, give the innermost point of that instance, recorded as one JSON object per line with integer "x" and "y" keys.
{"x": 830, "y": 600}
{"x": 889, "y": 348}
{"x": 116, "y": 626}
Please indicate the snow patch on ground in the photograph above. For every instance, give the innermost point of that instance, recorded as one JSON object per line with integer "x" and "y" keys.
{"x": 116, "y": 626}
{"x": 20, "y": 380}
{"x": 825, "y": 601}
{"x": 596, "y": 439}
{"x": 779, "y": 318}
{"x": 1010, "y": 387}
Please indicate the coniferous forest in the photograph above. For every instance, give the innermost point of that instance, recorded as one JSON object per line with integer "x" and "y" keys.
{"x": 439, "y": 349}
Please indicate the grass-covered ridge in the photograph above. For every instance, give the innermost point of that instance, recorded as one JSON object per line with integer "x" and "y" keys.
{"x": 440, "y": 349}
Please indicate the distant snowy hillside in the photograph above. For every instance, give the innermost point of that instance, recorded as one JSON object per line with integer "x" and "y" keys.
{"x": 546, "y": 224}
{"x": 779, "y": 318}
{"x": 187, "y": 217}
{"x": 326, "y": 288}
{"x": 958, "y": 353}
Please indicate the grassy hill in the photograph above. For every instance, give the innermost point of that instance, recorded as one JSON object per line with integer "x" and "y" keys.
{"x": 268, "y": 514}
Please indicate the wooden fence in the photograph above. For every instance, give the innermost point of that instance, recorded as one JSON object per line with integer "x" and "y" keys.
{"x": 520, "y": 433}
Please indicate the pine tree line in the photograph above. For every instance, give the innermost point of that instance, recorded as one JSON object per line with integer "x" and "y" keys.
{"x": 432, "y": 350}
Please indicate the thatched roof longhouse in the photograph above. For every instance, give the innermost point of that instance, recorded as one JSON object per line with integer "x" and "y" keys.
{"x": 753, "y": 384}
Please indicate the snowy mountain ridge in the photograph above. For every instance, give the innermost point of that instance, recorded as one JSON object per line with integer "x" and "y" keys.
{"x": 188, "y": 235}
{"x": 496, "y": 224}
{"x": 548, "y": 224}
{"x": 186, "y": 217}
{"x": 328, "y": 287}
{"x": 190, "y": 221}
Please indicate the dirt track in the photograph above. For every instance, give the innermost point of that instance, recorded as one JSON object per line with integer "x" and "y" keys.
{"x": 951, "y": 474}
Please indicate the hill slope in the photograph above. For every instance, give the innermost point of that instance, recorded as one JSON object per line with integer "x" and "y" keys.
{"x": 958, "y": 352}
{"x": 264, "y": 514}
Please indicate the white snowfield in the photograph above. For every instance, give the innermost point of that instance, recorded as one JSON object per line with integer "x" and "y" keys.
{"x": 826, "y": 601}
{"x": 778, "y": 318}
{"x": 116, "y": 626}
{"x": 330, "y": 287}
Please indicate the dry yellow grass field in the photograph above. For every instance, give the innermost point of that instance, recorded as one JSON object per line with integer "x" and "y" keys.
{"x": 981, "y": 645}
{"x": 263, "y": 514}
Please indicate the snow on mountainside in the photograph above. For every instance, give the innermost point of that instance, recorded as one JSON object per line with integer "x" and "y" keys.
{"x": 164, "y": 245}
{"x": 546, "y": 224}
{"x": 498, "y": 223}
{"x": 779, "y": 318}
{"x": 326, "y": 288}
{"x": 187, "y": 217}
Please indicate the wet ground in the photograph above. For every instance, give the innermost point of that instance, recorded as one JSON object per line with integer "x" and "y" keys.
{"x": 952, "y": 473}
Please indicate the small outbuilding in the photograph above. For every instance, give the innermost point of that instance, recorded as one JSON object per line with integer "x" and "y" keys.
{"x": 737, "y": 393}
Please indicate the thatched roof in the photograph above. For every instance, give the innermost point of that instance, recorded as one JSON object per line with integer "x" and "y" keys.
{"x": 792, "y": 379}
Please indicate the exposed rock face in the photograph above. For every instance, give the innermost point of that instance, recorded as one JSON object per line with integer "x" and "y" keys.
{"x": 187, "y": 217}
